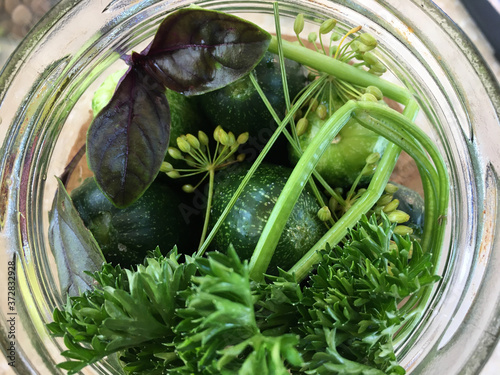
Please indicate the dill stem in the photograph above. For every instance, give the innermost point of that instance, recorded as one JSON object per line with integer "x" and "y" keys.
{"x": 271, "y": 233}
{"x": 211, "y": 173}
{"x": 375, "y": 189}
{"x": 341, "y": 69}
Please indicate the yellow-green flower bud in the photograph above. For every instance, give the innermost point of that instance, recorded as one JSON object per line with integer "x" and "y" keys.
{"x": 166, "y": 167}
{"x": 375, "y": 91}
{"x": 183, "y": 145}
{"x": 378, "y": 68}
{"x": 223, "y": 137}
{"x": 324, "y": 213}
{"x": 188, "y": 188}
{"x": 390, "y": 188}
{"x": 370, "y": 59}
{"x": 391, "y": 206}
{"x": 364, "y": 48}
{"x": 367, "y": 97}
{"x": 193, "y": 141}
{"x": 231, "y": 139}
{"x": 335, "y": 36}
{"x": 243, "y": 138}
{"x": 298, "y": 25}
{"x": 203, "y": 137}
{"x": 398, "y": 216}
{"x": 373, "y": 158}
{"x": 175, "y": 153}
{"x": 313, "y": 104}
{"x": 217, "y": 133}
{"x": 403, "y": 230}
{"x": 384, "y": 200}
{"x": 312, "y": 37}
{"x": 327, "y": 26}
{"x": 368, "y": 39}
{"x": 322, "y": 111}
{"x": 333, "y": 204}
{"x": 355, "y": 45}
{"x": 241, "y": 157}
{"x": 173, "y": 174}
{"x": 311, "y": 76}
{"x": 302, "y": 126}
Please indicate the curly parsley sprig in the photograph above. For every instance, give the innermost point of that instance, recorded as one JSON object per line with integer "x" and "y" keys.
{"x": 206, "y": 316}
{"x": 127, "y": 309}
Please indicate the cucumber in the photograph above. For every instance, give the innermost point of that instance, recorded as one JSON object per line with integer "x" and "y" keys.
{"x": 239, "y": 108}
{"x": 127, "y": 235}
{"x": 345, "y": 157}
{"x": 245, "y": 222}
{"x": 413, "y": 204}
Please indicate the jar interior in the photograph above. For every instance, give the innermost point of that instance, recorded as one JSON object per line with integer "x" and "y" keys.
{"x": 58, "y": 110}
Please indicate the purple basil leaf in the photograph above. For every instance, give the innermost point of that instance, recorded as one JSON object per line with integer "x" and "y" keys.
{"x": 197, "y": 50}
{"x": 128, "y": 139}
{"x": 73, "y": 245}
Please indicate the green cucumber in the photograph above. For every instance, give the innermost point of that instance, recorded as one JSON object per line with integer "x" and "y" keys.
{"x": 239, "y": 108}
{"x": 413, "y": 204}
{"x": 345, "y": 157}
{"x": 245, "y": 222}
{"x": 127, "y": 235}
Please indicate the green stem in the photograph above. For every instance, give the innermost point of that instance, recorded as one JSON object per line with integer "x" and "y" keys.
{"x": 375, "y": 189}
{"x": 338, "y": 68}
{"x": 294, "y": 143}
{"x": 302, "y": 268}
{"x": 211, "y": 180}
{"x": 436, "y": 184}
{"x": 303, "y": 170}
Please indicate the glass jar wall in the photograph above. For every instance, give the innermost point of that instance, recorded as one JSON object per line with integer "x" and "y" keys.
{"x": 45, "y": 93}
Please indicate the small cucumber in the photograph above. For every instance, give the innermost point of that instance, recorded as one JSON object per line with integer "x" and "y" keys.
{"x": 127, "y": 235}
{"x": 239, "y": 108}
{"x": 345, "y": 157}
{"x": 244, "y": 224}
{"x": 413, "y": 204}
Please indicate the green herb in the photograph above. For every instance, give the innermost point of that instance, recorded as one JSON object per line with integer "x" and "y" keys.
{"x": 206, "y": 316}
{"x": 128, "y": 139}
{"x": 195, "y": 151}
{"x": 67, "y": 231}
{"x": 128, "y": 309}
{"x": 340, "y": 308}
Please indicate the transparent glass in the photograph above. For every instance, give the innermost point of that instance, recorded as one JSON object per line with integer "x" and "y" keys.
{"x": 45, "y": 92}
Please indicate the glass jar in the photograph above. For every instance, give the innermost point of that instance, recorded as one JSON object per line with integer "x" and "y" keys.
{"x": 45, "y": 92}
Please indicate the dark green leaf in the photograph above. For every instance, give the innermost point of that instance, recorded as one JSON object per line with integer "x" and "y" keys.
{"x": 72, "y": 244}
{"x": 198, "y": 50}
{"x": 128, "y": 139}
